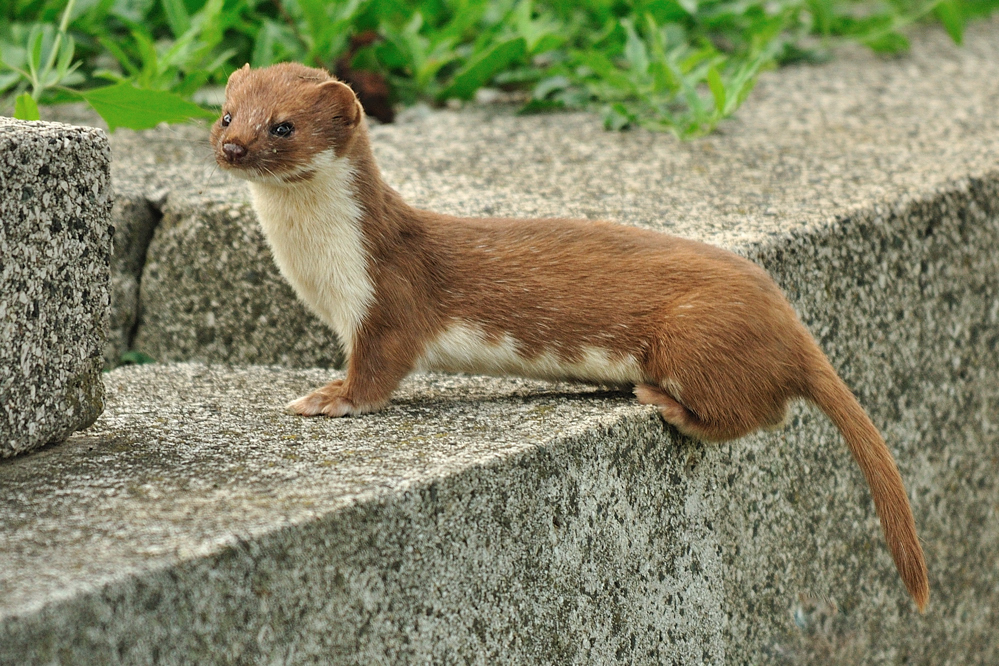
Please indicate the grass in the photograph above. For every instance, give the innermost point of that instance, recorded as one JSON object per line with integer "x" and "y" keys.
{"x": 675, "y": 65}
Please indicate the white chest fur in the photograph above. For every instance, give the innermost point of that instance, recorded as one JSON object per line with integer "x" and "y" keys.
{"x": 314, "y": 231}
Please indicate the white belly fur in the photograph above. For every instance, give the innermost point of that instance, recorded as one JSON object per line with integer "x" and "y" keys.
{"x": 464, "y": 348}
{"x": 314, "y": 232}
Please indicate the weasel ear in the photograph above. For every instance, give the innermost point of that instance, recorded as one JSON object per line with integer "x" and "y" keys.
{"x": 238, "y": 74}
{"x": 341, "y": 100}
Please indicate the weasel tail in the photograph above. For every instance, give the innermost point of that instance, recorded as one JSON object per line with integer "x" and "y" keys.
{"x": 827, "y": 390}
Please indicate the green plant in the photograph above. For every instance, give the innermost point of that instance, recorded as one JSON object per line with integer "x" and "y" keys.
{"x": 44, "y": 61}
{"x": 41, "y": 63}
{"x": 669, "y": 81}
{"x": 676, "y": 65}
{"x": 135, "y": 358}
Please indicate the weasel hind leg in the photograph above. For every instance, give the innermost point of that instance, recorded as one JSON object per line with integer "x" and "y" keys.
{"x": 688, "y": 421}
{"x": 673, "y": 412}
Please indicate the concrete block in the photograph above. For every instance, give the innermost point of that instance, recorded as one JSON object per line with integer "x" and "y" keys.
{"x": 55, "y": 248}
{"x": 134, "y": 218}
{"x": 491, "y": 521}
{"x": 192, "y": 274}
{"x": 210, "y": 292}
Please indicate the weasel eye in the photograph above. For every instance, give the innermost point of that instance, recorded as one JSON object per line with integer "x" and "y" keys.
{"x": 282, "y": 129}
{"x": 226, "y": 119}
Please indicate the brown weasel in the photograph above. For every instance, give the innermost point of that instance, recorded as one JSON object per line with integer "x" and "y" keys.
{"x": 701, "y": 333}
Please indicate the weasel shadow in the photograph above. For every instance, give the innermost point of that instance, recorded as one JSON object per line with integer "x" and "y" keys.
{"x": 423, "y": 397}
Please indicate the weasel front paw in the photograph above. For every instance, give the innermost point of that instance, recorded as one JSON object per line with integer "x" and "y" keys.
{"x": 316, "y": 404}
{"x": 328, "y": 401}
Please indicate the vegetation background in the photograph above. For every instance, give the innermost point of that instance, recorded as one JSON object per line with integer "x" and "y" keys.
{"x": 677, "y": 65}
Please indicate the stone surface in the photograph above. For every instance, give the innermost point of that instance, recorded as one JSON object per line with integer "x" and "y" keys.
{"x": 232, "y": 305}
{"x": 55, "y": 245}
{"x": 493, "y": 521}
{"x": 134, "y": 219}
{"x": 210, "y": 292}
{"x": 136, "y": 211}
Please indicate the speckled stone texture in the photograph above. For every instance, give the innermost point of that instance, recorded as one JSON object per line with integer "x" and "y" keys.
{"x": 55, "y": 246}
{"x": 210, "y": 292}
{"x": 134, "y": 218}
{"x": 491, "y": 521}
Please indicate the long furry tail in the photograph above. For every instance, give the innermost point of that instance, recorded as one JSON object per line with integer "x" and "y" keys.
{"x": 833, "y": 397}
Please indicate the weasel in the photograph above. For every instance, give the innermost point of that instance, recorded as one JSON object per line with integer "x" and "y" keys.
{"x": 703, "y": 334}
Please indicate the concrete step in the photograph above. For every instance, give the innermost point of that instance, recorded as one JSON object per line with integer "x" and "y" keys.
{"x": 55, "y": 250}
{"x": 504, "y": 521}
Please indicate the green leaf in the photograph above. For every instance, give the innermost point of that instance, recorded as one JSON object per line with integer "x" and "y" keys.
{"x": 891, "y": 43}
{"x": 124, "y": 105}
{"x": 663, "y": 76}
{"x": 699, "y": 62}
{"x": 133, "y": 11}
{"x": 135, "y": 357}
{"x": 822, "y": 13}
{"x": 119, "y": 55}
{"x": 315, "y": 16}
{"x": 634, "y": 49}
{"x": 949, "y": 13}
{"x": 13, "y": 56}
{"x": 548, "y": 42}
{"x": 329, "y": 30}
{"x": 89, "y": 15}
{"x": 618, "y": 117}
{"x": 480, "y": 69}
{"x": 35, "y": 39}
{"x": 66, "y": 51}
{"x": 541, "y": 106}
{"x": 547, "y": 86}
{"x": 177, "y": 16}
{"x": 263, "y": 47}
{"x": 25, "y": 108}
{"x": 717, "y": 89}
{"x": 465, "y": 19}
{"x": 8, "y": 80}
{"x": 539, "y": 33}
{"x": 689, "y": 6}
{"x": 147, "y": 52}
{"x": 600, "y": 65}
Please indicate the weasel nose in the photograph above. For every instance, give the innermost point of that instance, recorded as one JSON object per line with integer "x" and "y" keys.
{"x": 233, "y": 151}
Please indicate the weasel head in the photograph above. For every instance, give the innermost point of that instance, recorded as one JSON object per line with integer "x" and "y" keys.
{"x": 282, "y": 124}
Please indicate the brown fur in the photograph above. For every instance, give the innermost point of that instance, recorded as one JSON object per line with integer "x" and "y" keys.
{"x": 720, "y": 349}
